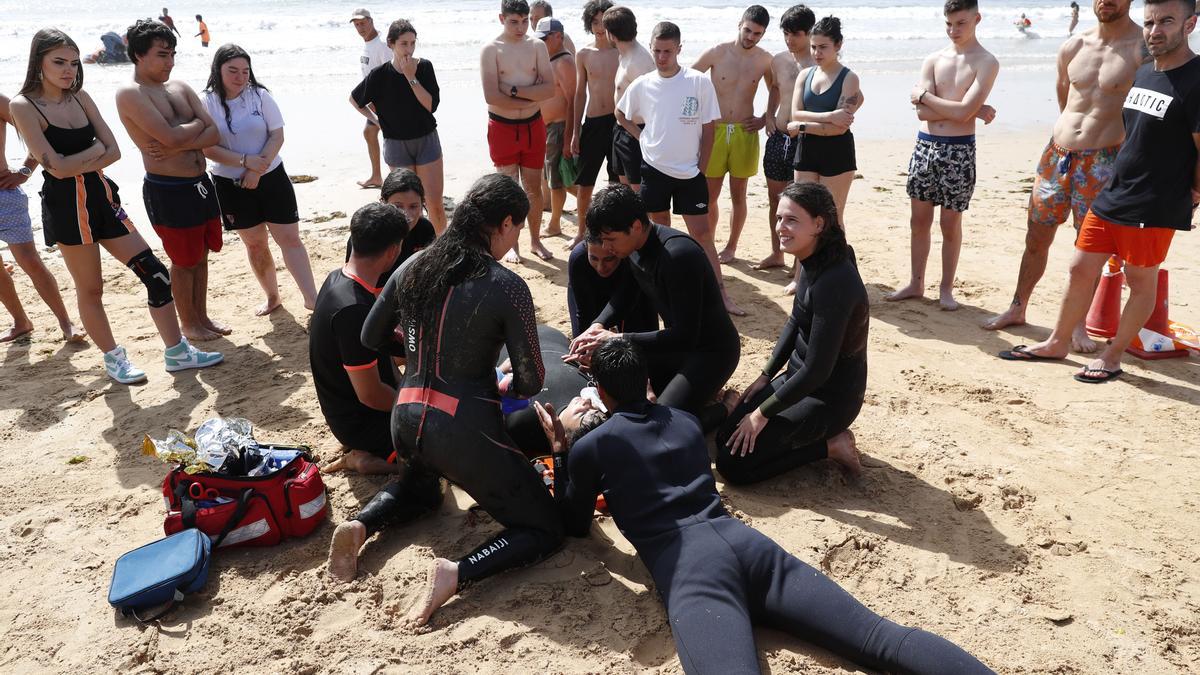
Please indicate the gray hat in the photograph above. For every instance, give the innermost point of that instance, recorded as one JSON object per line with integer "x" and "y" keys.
{"x": 547, "y": 25}
{"x": 361, "y": 14}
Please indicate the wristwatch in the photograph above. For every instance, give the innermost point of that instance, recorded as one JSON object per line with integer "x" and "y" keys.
{"x": 25, "y": 171}
{"x": 803, "y": 126}
{"x": 513, "y": 92}
{"x": 413, "y": 82}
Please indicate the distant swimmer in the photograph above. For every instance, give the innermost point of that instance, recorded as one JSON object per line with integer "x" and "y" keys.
{"x": 1023, "y": 24}
{"x": 16, "y": 230}
{"x": 203, "y": 34}
{"x": 375, "y": 53}
{"x": 1095, "y": 71}
{"x": 171, "y": 127}
{"x": 516, "y": 77}
{"x": 796, "y": 23}
{"x": 952, "y": 94}
{"x": 736, "y": 67}
{"x": 1074, "y": 17}
{"x": 591, "y": 144}
{"x": 1153, "y": 192}
{"x": 81, "y": 207}
{"x": 166, "y": 18}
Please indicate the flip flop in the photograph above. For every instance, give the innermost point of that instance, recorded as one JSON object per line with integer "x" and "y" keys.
{"x": 1022, "y": 353}
{"x": 1107, "y": 375}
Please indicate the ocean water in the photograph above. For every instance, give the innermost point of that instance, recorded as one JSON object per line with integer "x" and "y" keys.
{"x": 307, "y": 53}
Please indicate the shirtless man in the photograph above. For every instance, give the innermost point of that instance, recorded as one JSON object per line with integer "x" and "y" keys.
{"x": 797, "y": 21}
{"x": 517, "y": 77}
{"x": 595, "y": 81}
{"x": 559, "y": 113}
{"x": 170, "y": 126}
{"x": 1095, "y": 72}
{"x": 736, "y": 67}
{"x": 955, "y": 83}
{"x": 540, "y": 9}
{"x": 633, "y": 61}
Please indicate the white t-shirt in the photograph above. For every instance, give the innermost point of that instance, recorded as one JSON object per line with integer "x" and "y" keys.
{"x": 375, "y": 54}
{"x": 674, "y": 110}
{"x": 253, "y": 115}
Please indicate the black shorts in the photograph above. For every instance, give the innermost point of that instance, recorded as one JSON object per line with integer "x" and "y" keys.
{"x": 273, "y": 201}
{"x": 371, "y": 433}
{"x": 628, "y": 153}
{"x": 777, "y": 157}
{"x": 595, "y": 147}
{"x": 180, "y": 203}
{"x": 825, "y": 155}
{"x": 688, "y": 196}
{"x": 82, "y": 210}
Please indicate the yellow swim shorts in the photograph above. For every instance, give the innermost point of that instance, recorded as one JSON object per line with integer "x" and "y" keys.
{"x": 734, "y": 152}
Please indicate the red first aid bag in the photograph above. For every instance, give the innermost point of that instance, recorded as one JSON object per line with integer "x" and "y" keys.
{"x": 249, "y": 511}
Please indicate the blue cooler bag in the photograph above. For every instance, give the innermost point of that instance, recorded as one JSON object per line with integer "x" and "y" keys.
{"x": 160, "y": 574}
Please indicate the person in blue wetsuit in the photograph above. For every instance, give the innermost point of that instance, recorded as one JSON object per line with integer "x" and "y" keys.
{"x": 453, "y": 307}
{"x": 804, "y": 414}
{"x": 698, "y": 348}
{"x": 717, "y": 576}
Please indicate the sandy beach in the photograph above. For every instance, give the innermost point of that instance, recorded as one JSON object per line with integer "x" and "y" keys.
{"x": 1046, "y": 526}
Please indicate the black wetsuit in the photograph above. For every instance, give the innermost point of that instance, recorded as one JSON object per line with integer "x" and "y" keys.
{"x": 419, "y": 236}
{"x": 698, "y": 348}
{"x": 447, "y": 417}
{"x": 824, "y": 344}
{"x": 716, "y": 575}
{"x": 588, "y": 293}
{"x": 562, "y": 383}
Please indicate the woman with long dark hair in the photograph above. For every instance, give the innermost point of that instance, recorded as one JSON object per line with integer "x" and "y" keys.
{"x": 64, "y": 131}
{"x": 804, "y": 414}
{"x": 454, "y": 306}
{"x": 254, "y": 189}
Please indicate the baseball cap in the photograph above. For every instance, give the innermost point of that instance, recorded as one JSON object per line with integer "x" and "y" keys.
{"x": 548, "y": 25}
{"x": 360, "y": 14}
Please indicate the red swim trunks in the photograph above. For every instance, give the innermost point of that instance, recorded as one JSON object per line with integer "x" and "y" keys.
{"x": 521, "y": 142}
{"x": 1137, "y": 246}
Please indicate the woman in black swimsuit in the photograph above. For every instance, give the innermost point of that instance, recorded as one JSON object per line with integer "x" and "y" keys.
{"x": 64, "y": 131}
{"x": 454, "y": 307}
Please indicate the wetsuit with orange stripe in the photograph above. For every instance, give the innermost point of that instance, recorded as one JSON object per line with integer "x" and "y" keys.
{"x": 79, "y": 209}
{"x": 447, "y": 420}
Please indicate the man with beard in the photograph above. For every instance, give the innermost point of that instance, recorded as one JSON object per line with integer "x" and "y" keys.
{"x": 737, "y": 67}
{"x": 1095, "y": 71}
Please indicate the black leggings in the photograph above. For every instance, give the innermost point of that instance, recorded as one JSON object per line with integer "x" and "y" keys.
{"x": 794, "y": 437}
{"x": 691, "y": 382}
{"x": 719, "y": 577}
{"x": 472, "y": 451}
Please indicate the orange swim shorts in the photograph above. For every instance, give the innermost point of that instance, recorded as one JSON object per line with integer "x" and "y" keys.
{"x": 1137, "y": 246}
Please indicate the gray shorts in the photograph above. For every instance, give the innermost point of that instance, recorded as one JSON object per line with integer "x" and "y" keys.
{"x": 554, "y": 153}
{"x": 14, "y": 217}
{"x": 413, "y": 152}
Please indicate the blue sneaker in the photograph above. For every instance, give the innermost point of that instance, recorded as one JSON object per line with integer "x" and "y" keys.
{"x": 183, "y": 356}
{"x": 118, "y": 367}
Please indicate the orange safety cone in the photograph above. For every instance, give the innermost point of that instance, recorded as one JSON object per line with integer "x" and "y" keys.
{"x": 1105, "y": 313}
{"x": 1156, "y": 339}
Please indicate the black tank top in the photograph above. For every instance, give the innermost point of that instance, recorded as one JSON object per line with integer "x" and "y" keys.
{"x": 65, "y": 140}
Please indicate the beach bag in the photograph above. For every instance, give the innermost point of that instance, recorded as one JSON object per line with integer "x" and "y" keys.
{"x": 160, "y": 574}
{"x": 253, "y": 510}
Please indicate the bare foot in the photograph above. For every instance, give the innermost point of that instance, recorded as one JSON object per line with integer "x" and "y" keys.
{"x": 727, "y": 255}
{"x": 216, "y": 326}
{"x": 790, "y": 289}
{"x": 198, "y": 333}
{"x": 732, "y": 307}
{"x": 947, "y": 302}
{"x": 16, "y": 332}
{"x": 348, "y": 538}
{"x": 73, "y": 334}
{"x": 540, "y": 250}
{"x": 372, "y": 183}
{"x": 572, "y": 244}
{"x": 843, "y": 450}
{"x": 909, "y": 291}
{"x": 269, "y": 305}
{"x": 770, "y": 262}
{"x": 1013, "y": 316}
{"x": 1081, "y": 342}
{"x": 553, "y": 229}
{"x": 512, "y": 257}
{"x": 441, "y": 585}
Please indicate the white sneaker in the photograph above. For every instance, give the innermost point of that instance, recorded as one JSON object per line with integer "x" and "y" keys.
{"x": 118, "y": 367}
{"x": 183, "y": 356}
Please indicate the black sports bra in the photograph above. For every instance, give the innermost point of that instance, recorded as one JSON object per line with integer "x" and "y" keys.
{"x": 65, "y": 140}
